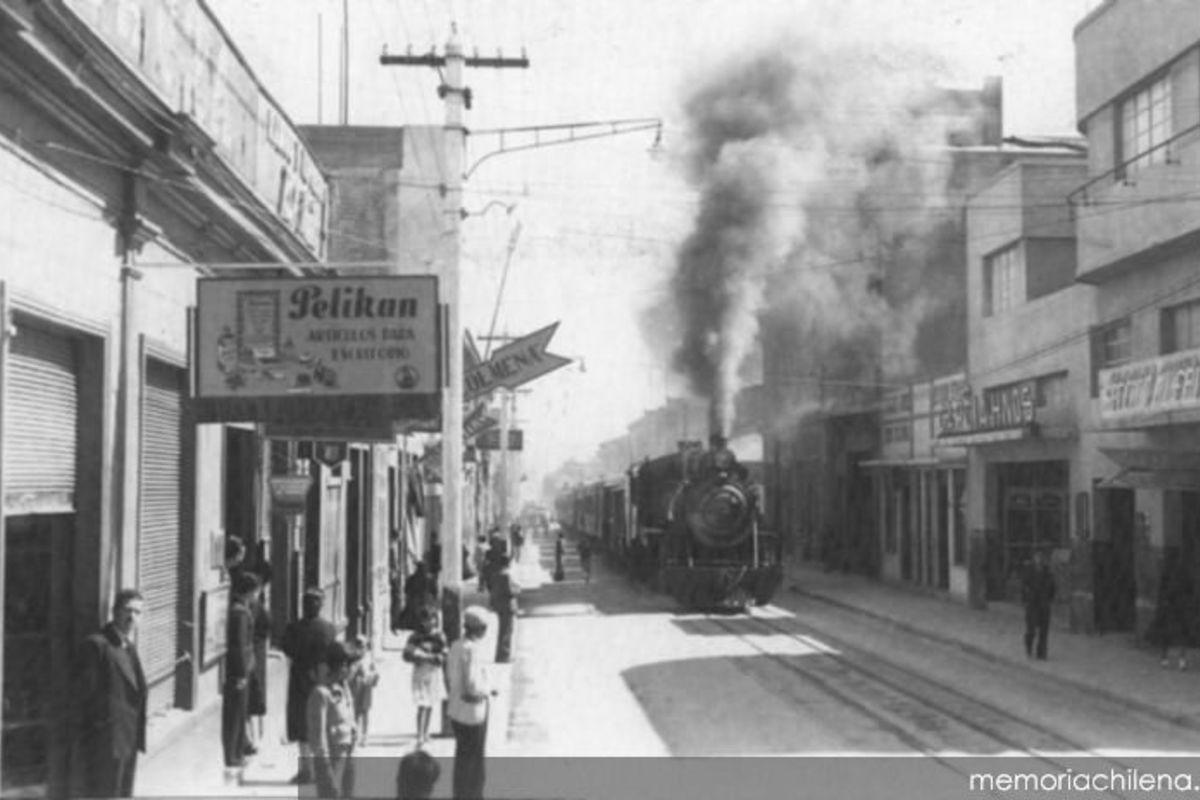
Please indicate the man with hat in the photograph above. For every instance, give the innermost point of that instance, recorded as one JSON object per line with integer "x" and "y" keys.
{"x": 469, "y": 692}
{"x": 1037, "y": 591}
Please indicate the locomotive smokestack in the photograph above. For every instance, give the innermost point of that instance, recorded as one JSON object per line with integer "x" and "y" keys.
{"x": 717, "y": 435}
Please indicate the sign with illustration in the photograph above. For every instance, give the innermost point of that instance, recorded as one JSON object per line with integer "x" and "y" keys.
{"x": 317, "y": 337}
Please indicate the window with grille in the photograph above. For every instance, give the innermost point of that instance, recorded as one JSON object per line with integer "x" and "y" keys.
{"x": 1181, "y": 327}
{"x": 1003, "y": 280}
{"x": 1145, "y": 127}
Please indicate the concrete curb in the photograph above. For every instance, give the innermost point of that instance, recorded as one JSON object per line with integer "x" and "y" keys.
{"x": 989, "y": 655}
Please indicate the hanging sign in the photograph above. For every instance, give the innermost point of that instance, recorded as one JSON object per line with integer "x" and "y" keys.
{"x": 517, "y": 362}
{"x": 317, "y": 349}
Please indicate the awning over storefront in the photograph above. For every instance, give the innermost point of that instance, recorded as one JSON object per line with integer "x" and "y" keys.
{"x": 1153, "y": 469}
{"x": 887, "y": 463}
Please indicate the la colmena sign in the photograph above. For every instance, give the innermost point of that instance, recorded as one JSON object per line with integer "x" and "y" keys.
{"x": 309, "y": 349}
{"x": 1143, "y": 389}
{"x": 1005, "y": 409}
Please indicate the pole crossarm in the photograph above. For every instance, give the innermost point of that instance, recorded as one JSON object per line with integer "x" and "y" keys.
{"x": 564, "y": 133}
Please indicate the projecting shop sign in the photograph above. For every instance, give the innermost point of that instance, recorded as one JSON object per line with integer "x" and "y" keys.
{"x": 317, "y": 350}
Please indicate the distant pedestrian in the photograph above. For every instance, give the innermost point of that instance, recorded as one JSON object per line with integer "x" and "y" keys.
{"x": 1037, "y": 592}
{"x": 256, "y": 696}
{"x": 306, "y": 642}
{"x": 396, "y": 595}
{"x": 480, "y": 556}
{"x": 559, "y": 572}
{"x": 518, "y": 542}
{"x": 585, "y": 558}
{"x": 239, "y": 666}
{"x": 503, "y": 593}
{"x": 418, "y": 774}
{"x": 110, "y": 702}
{"x": 330, "y": 722}
{"x": 364, "y": 677}
{"x": 470, "y": 692}
{"x": 1174, "y": 622}
{"x": 420, "y": 591}
{"x": 426, "y": 651}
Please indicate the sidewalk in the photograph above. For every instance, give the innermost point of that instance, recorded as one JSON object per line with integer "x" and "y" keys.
{"x": 1113, "y": 665}
{"x": 191, "y": 764}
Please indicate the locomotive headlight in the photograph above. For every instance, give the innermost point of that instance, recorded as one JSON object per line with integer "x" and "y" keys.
{"x": 723, "y": 460}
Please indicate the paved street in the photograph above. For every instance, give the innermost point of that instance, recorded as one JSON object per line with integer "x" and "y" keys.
{"x": 837, "y": 665}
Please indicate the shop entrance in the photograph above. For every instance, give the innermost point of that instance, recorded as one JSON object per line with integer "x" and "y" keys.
{"x": 1113, "y": 581}
{"x": 1033, "y": 516}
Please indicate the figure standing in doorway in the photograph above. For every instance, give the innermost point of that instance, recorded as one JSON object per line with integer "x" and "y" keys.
{"x": 1173, "y": 624}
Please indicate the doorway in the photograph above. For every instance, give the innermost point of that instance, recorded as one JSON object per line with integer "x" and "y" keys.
{"x": 1113, "y": 581}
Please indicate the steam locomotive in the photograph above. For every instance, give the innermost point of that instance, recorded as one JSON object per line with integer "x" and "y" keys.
{"x": 689, "y": 523}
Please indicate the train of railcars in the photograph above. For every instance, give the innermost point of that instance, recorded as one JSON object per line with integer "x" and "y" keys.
{"x": 689, "y": 523}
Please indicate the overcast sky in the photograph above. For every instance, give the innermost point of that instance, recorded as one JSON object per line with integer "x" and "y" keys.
{"x": 601, "y": 221}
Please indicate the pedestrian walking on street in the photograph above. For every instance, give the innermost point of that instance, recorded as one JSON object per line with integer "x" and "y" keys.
{"x": 364, "y": 677}
{"x": 470, "y": 692}
{"x": 306, "y": 642}
{"x": 1037, "y": 592}
{"x": 426, "y": 651}
{"x": 585, "y": 559}
{"x": 111, "y": 704}
{"x": 518, "y": 542}
{"x": 559, "y": 573}
{"x": 330, "y": 714}
{"x": 239, "y": 665}
{"x": 1174, "y": 623}
{"x": 503, "y": 593}
{"x": 256, "y": 696}
{"x": 418, "y": 774}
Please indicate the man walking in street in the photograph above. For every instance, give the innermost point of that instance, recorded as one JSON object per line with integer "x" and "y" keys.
{"x": 111, "y": 703}
{"x": 1037, "y": 592}
{"x": 239, "y": 666}
{"x": 503, "y": 592}
{"x": 470, "y": 691}
{"x": 306, "y": 642}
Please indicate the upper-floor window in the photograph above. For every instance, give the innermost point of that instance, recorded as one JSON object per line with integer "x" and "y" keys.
{"x": 1003, "y": 280}
{"x": 1112, "y": 345}
{"x": 1181, "y": 327}
{"x": 1145, "y": 126}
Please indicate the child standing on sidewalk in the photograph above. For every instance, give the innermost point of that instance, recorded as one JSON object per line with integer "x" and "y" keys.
{"x": 364, "y": 677}
{"x": 331, "y": 727}
{"x": 426, "y": 651}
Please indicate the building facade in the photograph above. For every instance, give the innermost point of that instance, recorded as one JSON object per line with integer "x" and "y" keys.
{"x": 1139, "y": 108}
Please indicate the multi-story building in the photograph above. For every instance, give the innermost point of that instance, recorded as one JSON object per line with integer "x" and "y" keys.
{"x": 1138, "y": 104}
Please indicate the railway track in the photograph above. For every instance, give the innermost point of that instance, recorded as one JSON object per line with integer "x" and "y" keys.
{"x": 937, "y": 721}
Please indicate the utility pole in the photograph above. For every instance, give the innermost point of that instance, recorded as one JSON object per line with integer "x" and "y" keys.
{"x": 456, "y": 97}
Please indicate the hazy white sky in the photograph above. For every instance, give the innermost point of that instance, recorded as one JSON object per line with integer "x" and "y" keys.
{"x": 600, "y": 221}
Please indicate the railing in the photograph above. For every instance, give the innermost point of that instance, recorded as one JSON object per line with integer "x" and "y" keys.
{"x": 1120, "y": 171}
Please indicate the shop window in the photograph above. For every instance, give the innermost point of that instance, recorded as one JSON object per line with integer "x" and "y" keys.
{"x": 1111, "y": 345}
{"x": 1145, "y": 128}
{"x": 1003, "y": 280}
{"x": 1181, "y": 327}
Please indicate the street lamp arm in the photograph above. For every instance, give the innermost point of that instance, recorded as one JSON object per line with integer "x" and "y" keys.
{"x": 568, "y": 133}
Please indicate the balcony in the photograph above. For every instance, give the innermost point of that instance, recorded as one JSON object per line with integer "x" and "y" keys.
{"x": 1138, "y": 211}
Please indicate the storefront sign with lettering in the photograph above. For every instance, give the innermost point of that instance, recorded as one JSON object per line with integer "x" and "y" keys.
{"x": 1152, "y": 386}
{"x": 998, "y": 409}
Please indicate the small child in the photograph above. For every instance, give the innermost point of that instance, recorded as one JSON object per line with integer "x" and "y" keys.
{"x": 426, "y": 651}
{"x": 417, "y": 776}
{"x": 331, "y": 727}
{"x": 364, "y": 677}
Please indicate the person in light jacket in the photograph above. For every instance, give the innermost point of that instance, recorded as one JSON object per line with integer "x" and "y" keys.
{"x": 470, "y": 692}
{"x": 332, "y": 731}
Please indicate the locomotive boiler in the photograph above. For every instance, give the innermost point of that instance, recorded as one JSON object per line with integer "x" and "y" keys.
{"x": 699, "y": 532}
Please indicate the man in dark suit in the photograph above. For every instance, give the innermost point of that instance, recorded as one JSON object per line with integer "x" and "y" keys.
{"x": 111, "y": 703}
{"x": 503, "y": 592}
{"x": 306, "y": 642}
{"x": 239, "y": 665}
{"x": 1037, "y": 592}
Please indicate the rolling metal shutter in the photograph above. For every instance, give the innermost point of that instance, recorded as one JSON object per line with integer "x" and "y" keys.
{"x": 40, "y": 426}
{"x": 160, "y": 531}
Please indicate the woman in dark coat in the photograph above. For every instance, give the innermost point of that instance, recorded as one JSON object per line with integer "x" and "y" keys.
{"x": 1174, "y": 619}
{"x": 256, "y": 703}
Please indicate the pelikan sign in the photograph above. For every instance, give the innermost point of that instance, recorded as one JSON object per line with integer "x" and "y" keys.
{"x": 282, "y": 339}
